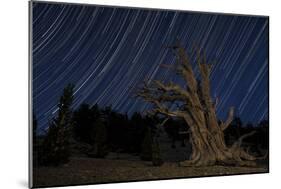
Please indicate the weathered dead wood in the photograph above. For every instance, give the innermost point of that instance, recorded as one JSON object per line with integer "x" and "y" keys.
{"x": 199, "y": 112}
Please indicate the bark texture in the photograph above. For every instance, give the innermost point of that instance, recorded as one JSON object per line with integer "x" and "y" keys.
{"x": 199, "y": 112}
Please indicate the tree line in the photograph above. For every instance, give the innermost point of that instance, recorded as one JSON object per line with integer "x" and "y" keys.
{"x": 95, "y": 131}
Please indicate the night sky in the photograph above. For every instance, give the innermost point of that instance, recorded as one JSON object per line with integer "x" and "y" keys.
{"x": 107, "y": 52}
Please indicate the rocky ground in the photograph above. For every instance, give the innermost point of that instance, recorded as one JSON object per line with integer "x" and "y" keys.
{"x": 85, "y": 170}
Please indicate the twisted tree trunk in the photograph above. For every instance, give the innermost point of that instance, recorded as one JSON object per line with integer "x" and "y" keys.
{"x": 199, "y": 112}
{"x": 209, "y": 148}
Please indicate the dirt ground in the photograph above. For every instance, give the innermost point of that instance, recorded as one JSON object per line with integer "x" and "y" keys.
{"x": 85, "y": 170}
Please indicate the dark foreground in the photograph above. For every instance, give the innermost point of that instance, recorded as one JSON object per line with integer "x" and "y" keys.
{"x": 90, "y": 171}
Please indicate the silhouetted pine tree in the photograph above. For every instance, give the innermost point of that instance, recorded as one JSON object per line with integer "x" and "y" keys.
{"x": 55, "y": 148}
{"x": 156, "y": 154}
{"x": 100, "y": 149}
{"x": 83, "y": 120}
{"x": 150, "y": 146}
{"x": 146, "y": 152}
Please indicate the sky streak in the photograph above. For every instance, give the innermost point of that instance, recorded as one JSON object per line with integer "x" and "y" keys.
{"x": 106, "y": 52}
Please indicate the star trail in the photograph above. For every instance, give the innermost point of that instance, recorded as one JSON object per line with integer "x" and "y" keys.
{"x": 108, "y": 51}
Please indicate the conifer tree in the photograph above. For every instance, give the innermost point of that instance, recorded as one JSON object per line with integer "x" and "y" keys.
{"x": 100, "y": 139}
{"x": 56, "y": 147}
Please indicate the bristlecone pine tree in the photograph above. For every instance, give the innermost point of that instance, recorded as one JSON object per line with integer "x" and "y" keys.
{"x": 199, "y": 112}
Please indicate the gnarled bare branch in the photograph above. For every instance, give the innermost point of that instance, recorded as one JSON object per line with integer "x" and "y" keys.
{"x": 229, "y": 119}
{"x": 238, "y": 143}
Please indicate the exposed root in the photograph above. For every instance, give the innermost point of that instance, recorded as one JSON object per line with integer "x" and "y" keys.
{"x": 187, "y": 163}
{"x": 263, "y": 157}
{"x": 245, "y": 163}
{"x": 198, "y": 161}
{"x": 238, "y": 143}
{"x": 238, "y": 158}
{"x": 192, "y": 162}
{"x": 238, "y": 152}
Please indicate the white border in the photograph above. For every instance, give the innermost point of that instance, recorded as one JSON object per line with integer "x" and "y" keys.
{"x": 14, "y": 92}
